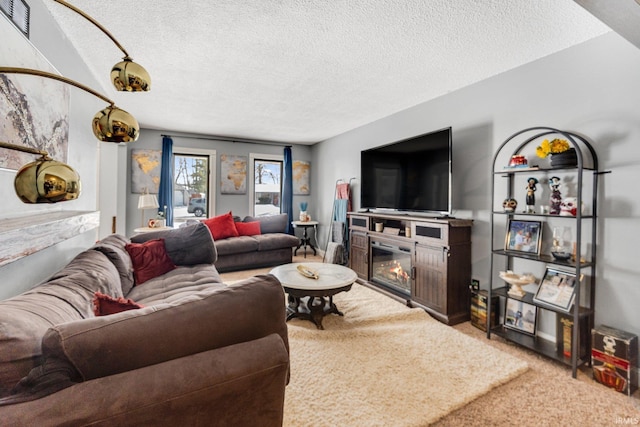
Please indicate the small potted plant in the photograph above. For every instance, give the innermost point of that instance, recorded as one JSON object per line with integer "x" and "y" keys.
{"x": 303, "y": 212}
{"x": 560, "y": 151}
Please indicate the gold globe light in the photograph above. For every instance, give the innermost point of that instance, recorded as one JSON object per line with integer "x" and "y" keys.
{"x": 129, "y": 76}
{"x": 115, "y": 125}
{"x": 44, "y": 180}
{"x": 125, "y": 75}
{"x": 47, "y": 181}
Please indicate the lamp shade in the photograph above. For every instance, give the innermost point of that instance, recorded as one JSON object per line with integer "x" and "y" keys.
{"x": 115, "y": 125}
{"x": 148, "y": 201}
{"x": 130, "y": 76}
{"x": 47, "y": 181}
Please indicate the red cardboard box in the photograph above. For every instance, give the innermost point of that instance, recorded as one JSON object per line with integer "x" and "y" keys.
{"x": 564, "y": 335}
{"x": 614, "y": 357}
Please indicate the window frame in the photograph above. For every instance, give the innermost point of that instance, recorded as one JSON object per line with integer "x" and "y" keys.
{"x": 212, "y": 157}
{"x": 252, "y": 182}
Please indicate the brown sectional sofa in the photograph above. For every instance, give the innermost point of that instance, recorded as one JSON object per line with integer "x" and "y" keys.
{"x": 199, "y": 352}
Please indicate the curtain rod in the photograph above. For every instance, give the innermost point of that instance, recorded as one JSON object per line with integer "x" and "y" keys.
{"x": 228, "y": 139}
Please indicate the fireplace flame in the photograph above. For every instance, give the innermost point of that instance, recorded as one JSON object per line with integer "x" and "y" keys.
{"x": 397, "y": 270}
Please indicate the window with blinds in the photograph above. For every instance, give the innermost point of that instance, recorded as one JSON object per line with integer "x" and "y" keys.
{"x": 18, "y": 12}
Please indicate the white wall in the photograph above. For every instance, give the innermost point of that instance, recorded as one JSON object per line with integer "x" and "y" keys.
{"x": 82, "y": 155}
{"x": 592, "y": 89}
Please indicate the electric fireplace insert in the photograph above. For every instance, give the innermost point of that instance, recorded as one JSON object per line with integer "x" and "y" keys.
{"x": 391, "y": 266}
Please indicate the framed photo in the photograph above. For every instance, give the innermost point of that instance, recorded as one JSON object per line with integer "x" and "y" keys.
{"x": 520, "y": 316}
{"x": 557, "y": 288}
{"x": 524, "y": 236}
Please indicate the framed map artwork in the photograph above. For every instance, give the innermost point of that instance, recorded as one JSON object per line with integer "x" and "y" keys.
{"x": 233, "y": 174}
{"x": 34, "y": 110}
{"x": 145, "y": 171}
{"x": 301, "y": 172}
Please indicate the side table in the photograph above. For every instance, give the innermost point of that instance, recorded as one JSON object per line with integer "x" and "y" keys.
{"x": 306, "y": 239}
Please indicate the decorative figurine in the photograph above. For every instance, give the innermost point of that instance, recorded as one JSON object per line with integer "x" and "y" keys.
{"x": 556, "y": 196}
{"x": 569, "y": 206}
{"x": 509, "y": 205}
{"x": 531, "y": 196}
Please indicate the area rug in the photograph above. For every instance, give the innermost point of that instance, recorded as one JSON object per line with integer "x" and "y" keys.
{"x": 384, "y": 364}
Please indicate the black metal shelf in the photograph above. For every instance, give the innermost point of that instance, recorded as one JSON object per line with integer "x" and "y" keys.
{"x": 541, "y": 215}
{"x": 509, "y": 171}
{"x": 547, "y": 259}
{"x": 539, "y": 345}
{"x": 586, "y": 165}
{"x": 528, "y": 298}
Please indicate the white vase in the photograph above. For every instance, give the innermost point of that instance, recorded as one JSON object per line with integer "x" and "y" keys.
{"x": 303, "y": 216}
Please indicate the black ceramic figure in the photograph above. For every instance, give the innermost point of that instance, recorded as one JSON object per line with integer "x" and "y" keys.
{"x": 531, "y": 196}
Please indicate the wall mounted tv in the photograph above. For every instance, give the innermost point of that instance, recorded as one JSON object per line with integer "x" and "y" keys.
{"x": 414, "y": 174}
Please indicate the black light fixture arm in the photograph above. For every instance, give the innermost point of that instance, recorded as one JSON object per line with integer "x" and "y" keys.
{"x": 40, "y": 73}
{"x": 97, "y": 24}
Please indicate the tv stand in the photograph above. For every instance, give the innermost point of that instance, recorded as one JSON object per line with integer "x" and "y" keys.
{"x": 436, "y": 253}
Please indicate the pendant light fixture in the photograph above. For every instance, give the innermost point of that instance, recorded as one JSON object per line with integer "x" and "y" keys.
{"x": 125, "y": 75}
{"x": 44, "y": 180}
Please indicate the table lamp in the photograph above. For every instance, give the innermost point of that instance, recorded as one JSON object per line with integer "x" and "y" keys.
{"x": 147, "y": 201}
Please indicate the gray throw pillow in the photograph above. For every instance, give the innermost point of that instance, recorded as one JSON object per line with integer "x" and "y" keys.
{"x": 270, "y": 223}
{"x": 190, "y": 245}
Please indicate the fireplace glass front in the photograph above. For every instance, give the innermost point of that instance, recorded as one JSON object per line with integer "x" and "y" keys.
{"x": 391, "y": 266}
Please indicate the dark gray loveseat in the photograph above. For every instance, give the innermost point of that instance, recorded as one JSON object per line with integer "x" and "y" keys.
{"x": 272, "y": 247}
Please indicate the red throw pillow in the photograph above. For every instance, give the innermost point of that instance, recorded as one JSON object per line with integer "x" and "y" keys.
{"x": 104, "y": 305}
{"x": 248, "y": 228}
{"x": 222, "y": 226}
{"x": 149, "y": 259}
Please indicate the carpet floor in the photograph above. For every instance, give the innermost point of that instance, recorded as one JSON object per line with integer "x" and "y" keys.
{"x": 544, "y": 395}
{"x": 384, "y": 364}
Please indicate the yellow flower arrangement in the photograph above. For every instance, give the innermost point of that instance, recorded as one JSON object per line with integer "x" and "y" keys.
{"x": 555, "y": 146}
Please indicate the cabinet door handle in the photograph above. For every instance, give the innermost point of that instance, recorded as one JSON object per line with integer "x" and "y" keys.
{"x": 413, "y": 273}
{"x": 445, "y": 253}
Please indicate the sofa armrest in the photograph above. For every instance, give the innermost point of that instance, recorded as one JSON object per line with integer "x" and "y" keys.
{"x": 242, "y": 384}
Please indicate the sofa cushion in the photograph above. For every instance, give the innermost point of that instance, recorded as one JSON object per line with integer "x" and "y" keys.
{"x": 270, "y": 223}
{"x": 176, "y": 284}
{"x": 66, "y": 297}
{"x": 248, "y": 228}
{"x": 113, "y": 246}
{"x": 222, "y": 226}
{"x": 149, "y": 260}
{"x": 189, "y": 245}
{"x": 103, "y": 305}
{"x": 237, "y": 245}
{"x": 268, "y": 242}
{"x": 94, "y": 261}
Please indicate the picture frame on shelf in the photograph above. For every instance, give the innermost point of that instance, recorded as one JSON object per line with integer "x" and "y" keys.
{"x": 557, "y": 289}
{"x": 520, "y": 316}
{"x": 523, "y": 236}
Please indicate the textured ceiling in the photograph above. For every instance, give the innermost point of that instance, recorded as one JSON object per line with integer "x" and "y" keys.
{"x": 302, "y": 71}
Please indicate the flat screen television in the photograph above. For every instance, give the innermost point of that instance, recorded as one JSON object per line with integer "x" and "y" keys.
{"x": 412, "y": 175}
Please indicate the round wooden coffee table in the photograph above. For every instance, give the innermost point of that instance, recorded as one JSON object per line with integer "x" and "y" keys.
{"x": 332, "y": 278}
